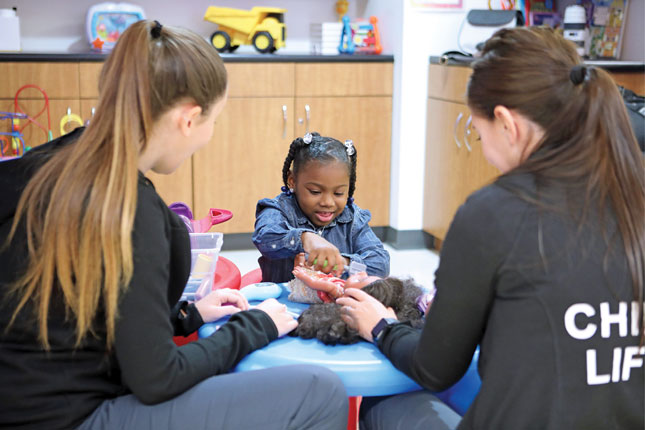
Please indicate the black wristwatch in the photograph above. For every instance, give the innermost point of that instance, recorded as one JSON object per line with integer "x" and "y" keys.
{"x": 377, "y": 331}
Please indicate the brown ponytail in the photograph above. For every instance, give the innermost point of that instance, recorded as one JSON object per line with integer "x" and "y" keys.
{"x": 78, "y": 209}
{"x": 588, "y": 144}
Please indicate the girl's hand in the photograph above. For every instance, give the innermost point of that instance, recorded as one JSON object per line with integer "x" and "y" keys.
{"x": 323, "y": 256}
{"x": 330, "y": 285}
{"x": 220, "y": 303}
{"x": 362, "y": 312}
{"x": 283, "y": 321}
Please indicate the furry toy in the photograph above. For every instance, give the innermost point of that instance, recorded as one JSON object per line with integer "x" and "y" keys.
{"x": 323, "y": 322}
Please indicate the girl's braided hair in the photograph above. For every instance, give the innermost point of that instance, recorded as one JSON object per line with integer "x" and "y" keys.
{"x": 322, "y": 149}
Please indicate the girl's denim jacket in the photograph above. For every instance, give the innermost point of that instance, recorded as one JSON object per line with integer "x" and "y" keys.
{"x": 279, "y": 223}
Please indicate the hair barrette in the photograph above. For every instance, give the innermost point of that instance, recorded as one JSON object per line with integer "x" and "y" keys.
{"x": 155, "y": 32}
{"x": 307, "y": 138}
{"x": 349, "y": 147}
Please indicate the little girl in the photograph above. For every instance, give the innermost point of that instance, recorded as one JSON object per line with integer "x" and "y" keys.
{"x": 316, "y": 214}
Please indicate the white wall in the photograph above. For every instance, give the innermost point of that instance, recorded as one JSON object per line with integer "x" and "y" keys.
{"x": 425, "y": 32}
{"x": 59, "y": 25}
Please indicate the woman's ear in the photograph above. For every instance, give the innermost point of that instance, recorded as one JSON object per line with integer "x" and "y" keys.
{"x": 187, "y": 116}
{"x": 507, "y": 122}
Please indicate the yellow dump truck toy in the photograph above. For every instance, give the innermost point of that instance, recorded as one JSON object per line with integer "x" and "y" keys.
{"x": 262, "y": 27}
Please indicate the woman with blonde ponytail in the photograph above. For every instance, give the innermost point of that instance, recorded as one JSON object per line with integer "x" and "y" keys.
{"x": 93, "y": 263}
{"x": 544, "y": 268}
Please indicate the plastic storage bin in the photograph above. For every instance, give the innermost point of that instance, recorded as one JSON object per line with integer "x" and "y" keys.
{"x": 204, "y": 249}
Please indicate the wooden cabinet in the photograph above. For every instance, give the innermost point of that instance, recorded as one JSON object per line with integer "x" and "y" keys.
{"x": 60, "y": 83}
{"x": 455, "y": 165}
{"x": 269, "y": 105}
{"x": 264, "y": 113}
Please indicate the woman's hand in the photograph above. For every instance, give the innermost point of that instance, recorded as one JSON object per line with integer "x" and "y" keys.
{"x": 323, "y": 256}
{"x": 220, "y": 303}
{"x": 362, "y": 312}
{"x": 283, "y": 321}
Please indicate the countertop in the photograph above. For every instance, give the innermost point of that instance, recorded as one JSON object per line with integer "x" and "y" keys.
{"x": 228, "y": 58}
{"x": 611, "y": 65}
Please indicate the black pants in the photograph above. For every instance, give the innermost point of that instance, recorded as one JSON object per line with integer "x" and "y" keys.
{"x": 288, "y": 397}
{"x": 409, "y": 411}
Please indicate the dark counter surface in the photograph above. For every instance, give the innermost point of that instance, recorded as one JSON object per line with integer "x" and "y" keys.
{"x": 611, "y": 65}
{"x": 228, "y": 58}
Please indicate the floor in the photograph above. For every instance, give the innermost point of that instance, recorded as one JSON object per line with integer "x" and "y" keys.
{"x": 419, "y": 264}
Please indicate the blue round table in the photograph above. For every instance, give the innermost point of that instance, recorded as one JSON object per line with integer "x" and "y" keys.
{"x": 362, "y": 367}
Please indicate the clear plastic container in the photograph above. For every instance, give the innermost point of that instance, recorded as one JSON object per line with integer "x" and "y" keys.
{"x": 204, "y": 250}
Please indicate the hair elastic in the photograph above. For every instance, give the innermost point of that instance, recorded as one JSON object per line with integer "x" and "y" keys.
{"x": 287, "y": 191}
{"x": 349, "y": 147}
{"x": 155, "y": 32}
{"x": 578, "y": 74}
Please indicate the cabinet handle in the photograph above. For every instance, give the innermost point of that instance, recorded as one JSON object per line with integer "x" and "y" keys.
{"x": 468, "y": 132}
{"x": 307, "y": 109}
{"x": 284, "y": 121}
{"x": 454, "y": 130}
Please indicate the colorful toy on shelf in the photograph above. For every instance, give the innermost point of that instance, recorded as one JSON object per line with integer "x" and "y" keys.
{"x": 12, "y": 143}
{"x": 106, "y": 21}
{"x": 69, "y": 121}
{"x": 262, "y": 27}
{"x": 360, "y": 36}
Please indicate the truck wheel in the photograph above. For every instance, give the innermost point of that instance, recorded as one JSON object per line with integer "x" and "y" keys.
{"x": 263, "y": 42}
{"x": 221, "y": 41}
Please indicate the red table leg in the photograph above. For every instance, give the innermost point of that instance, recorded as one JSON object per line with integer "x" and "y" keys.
{"x": 352, "y": 418}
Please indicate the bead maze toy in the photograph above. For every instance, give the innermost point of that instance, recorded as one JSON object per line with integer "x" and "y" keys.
{"x": 12, "y": 144}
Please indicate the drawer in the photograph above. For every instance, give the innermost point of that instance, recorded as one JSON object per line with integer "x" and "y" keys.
{"x": 448, "y": 82}
{"x": 89, "y": 79}
{"x": 260, "y": 79}
{"x": 59, "y": 80}
{"x": 344, "y": 79}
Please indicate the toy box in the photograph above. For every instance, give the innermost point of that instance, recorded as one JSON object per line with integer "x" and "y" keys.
{"x": 204, "y": 250}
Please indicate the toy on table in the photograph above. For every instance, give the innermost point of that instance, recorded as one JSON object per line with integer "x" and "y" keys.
{"x": 261, "y": 291}
{"x": 204, "y": 248}
{"x": 262, "y": 27}
{"x": 105, "y": 22}
{"x": 12, "y": 143}
{"x": 361, "y": 37}
{"x": 31, "y": 119}
{"x": 313, "y": 286}
{"x": 323, "y": 320}
{"x": 68, "y": 120}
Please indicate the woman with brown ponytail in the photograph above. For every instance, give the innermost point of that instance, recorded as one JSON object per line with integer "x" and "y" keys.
{"x": 92, "y": 265}
{"x": 543, "y": 269}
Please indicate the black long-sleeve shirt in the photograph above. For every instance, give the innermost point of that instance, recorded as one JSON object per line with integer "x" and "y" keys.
{"x": 558, "y": 333}
{"x": 60, "y": 388}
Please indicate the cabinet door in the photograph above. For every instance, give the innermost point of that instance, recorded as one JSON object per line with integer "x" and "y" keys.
{"x": 480, "y": 172}
{"x": 176, "y": 187}
{"x": 446, "y": 169}
{"x": 33, "y": 134}
{"x": 243, "y": 162}
{"x": 367, "y": 122}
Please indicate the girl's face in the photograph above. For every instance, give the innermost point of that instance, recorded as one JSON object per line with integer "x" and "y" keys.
{"x": 321, "y": 190}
